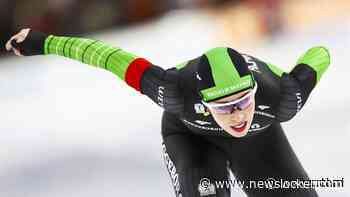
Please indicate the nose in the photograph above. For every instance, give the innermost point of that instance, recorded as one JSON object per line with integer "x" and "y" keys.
{"x": 237, "y": 116}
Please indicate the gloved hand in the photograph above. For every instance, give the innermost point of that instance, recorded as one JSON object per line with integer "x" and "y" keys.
{"x": 296, "y": 86}
{"x": 295, "y": 89}
{"x": 26, "y": 43}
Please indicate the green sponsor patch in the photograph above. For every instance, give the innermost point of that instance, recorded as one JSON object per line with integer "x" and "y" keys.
{"x": 217, "y": 92}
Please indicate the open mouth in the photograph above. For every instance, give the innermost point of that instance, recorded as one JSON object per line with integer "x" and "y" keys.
{"x": 240, "y": 127}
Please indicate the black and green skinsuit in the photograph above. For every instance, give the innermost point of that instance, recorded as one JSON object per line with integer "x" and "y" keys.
{"x": 194, "y": 145}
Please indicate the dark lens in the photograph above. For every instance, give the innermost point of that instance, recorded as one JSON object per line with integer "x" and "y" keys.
{"x": 244, "y": 103}
{"x": 223, "y": 109}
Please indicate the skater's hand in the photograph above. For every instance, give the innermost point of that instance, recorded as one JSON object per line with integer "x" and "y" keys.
{"x": 12, "y": 44}
{"x": 298, "y": 84}
{"x": 295, "y": 89}
{"x": 290, "y": 98}
{"x": 27, "y": 42}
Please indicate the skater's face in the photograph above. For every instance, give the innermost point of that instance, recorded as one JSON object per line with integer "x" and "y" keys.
{"x": 238, "y": 122}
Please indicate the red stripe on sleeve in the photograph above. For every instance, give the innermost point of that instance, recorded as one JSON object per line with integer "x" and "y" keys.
{"x": 135, "y": 71}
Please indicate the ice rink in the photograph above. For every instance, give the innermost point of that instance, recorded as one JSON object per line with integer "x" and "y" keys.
{"x": 71, "y": 130}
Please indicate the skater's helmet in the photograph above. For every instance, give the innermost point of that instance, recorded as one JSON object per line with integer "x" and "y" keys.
{"x": 222, "y": 71}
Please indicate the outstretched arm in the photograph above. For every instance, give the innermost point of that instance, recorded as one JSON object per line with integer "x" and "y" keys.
{"x": 126, "y": 66}
{"x": 297, "y": 85}
{"x": 158, "y": 84}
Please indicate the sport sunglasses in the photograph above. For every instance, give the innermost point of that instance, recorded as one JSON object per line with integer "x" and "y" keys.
{"x": 230, "y": 107}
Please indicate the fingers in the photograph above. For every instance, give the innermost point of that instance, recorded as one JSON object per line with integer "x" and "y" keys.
{"x": 17, "y": 52}
{"x": 21, "y": 36}
{"x": 8, "y": 45}
{"x": 18, "y": 38}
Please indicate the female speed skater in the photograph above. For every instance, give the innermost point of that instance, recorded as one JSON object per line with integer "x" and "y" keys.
{"x": 222, "y": 110}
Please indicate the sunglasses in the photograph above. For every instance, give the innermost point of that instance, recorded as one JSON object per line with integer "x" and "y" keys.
{"x": 230, "y": 107}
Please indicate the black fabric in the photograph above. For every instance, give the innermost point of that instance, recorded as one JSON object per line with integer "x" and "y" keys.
{"x": 295, "y": 90}
{"x": 239, "y": 62}
{"x": 306, "y": 76}
{"x": 194, "y": 161}
{"x": 32, "y": 45}
{"x": 289, "y": 98}
{"x": 204, "y": 79}
{"x": 163, "y": 88}
{"x": 255, "y": 158}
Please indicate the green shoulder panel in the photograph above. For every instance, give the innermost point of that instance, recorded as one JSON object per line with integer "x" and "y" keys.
{"x": 275, "y": 69}
{"x": 182, "y": 65}
{"x": 318, "y": 58}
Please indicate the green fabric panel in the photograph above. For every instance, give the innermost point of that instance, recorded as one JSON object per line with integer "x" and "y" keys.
{"x": 103, "y": 55}
{"x": 222, "y": 68}
{"x": 122, "y": 59}
{"x": 318, "y": 58}
{"x": 91, "y": 52}
{"x": 276, "y": 70}
{"x": 182, "y": 65}
{"x": 47, "y": 42}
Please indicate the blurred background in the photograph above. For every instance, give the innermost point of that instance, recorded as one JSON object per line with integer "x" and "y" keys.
{"x": 68, "y": 129}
